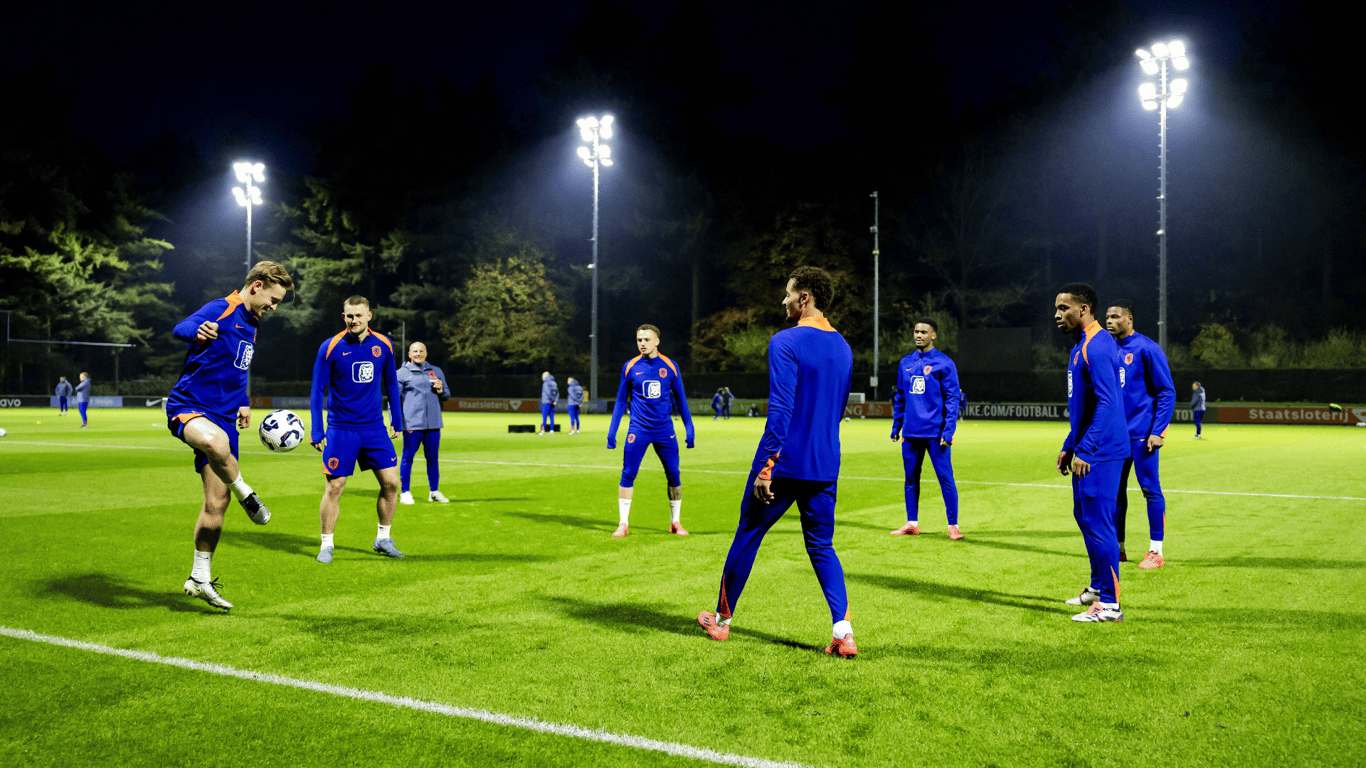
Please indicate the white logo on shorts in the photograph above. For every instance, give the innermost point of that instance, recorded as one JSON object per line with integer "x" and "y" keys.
{"x": 917, "y": 385}
{"x": 363, "y": 372}
{"x": 652, "y": 390}
{"x": 244, "y": 352}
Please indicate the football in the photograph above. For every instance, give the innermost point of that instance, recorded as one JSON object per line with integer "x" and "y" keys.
{"x": 282, "y": 431}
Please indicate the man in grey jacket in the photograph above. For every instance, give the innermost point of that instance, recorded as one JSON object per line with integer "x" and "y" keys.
{"x": 575, "y": 400}
{"x": 1197, "y": 406}
{"x": 422, "y": 387}
{"x": 83, "y": 398}
{"x": 64, "y": 391}
{"x": 550, "y": 395}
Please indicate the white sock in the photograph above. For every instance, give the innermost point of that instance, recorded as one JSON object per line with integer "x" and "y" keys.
{"x": 382, "y": 533}
{"x": 327, "y": 540}
{"x": 239, "y": 488}
{"x": 200, "y": 571}
{"x": 1111, "y": 606}
{"x": 624, "y": 510}
{"x": 1155, "y": 546}
{"x": 842, "y": 628}
{"x": 675, "y": 509}
{"x": 721, "y": 621}
{"x": 916, "y": 523}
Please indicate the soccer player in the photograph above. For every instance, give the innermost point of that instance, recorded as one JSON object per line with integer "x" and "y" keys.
{"x": 575, "y": 400}
{"x": 1145, "y": 380}
{"x": 798, "y": 459}
{"x": 423, "y": 389}
{"x": 209, "y": 403}
{"x": 925, "y": 414}
{"x": 356, "y": 367}
{"x": 550, "y": 395}
{"x": 716, "y": 405}
{"x": 83, "y": 400}
{"x": 1197, "y": 405}
{"x": 64, "y": 391}
{"x": 651, "y": 384}
{"x": 1096, "y": 446}
{"x": 726, "y": 397}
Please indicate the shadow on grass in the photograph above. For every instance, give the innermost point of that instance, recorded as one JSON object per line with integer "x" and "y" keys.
{"x": 289, "y": 543}
{"x": 592, "y": 524}
{"x": 981, "y": 540}
{"x": 1053, "y": 603}
{"x": 108, "y": 591}
{"x": 631, "y": 617}
{"x": 1287, "y": 563}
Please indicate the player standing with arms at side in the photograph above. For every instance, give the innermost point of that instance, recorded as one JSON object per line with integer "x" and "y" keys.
{"x": 1197, "y": 406}
{"x": 357, "y": 368}
{"x": 64, "y": 391}
{"x": 209, "y": 403}
{"x": 651, "y": 383}
{"x": 575, "y": 401}
{"x": 1095, "y": 447}
{"x": 925, "y": 414}
{"x": 798, "y": 459}
{"x": 83, "y": 400}
{"x": 423, "y": 389}
{"x": 1149, "y": 401}
{"x": 550, "y": 395}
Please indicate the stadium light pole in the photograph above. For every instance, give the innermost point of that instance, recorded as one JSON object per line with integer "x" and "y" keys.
{"x": 251, "y": 196}
{"x": 1162, "y": 96}
{"x": 876, "y": 273}
{"x": 594, "y": 130}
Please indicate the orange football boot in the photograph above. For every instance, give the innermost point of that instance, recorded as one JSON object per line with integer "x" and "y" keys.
{"x": 1152, "y": 560}
{"x": 844, "y": 647}
{"x": 909, "y": 529}
{"x": 620, "y": 532}
{"x": 717, "y": 631}
{"x": 678, "y": 529}
{"x": 954, "y": 533}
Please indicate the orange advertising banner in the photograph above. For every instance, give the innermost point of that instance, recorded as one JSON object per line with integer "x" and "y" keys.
{"x": 1288, "y": 414}
{"x": 492, "y": 405}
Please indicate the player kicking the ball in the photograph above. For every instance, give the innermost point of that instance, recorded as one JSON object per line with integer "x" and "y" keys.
{"x": 208, "y": 404}
{"x": 352, "y": 366}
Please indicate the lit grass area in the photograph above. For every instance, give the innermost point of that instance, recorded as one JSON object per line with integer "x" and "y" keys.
{"x": 1245, "y": 649}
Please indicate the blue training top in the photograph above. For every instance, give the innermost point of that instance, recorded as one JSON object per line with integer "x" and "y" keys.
{"x": 926, "y": 396}
{"x": 214, "y": 377}
{"x": 1146, "y": 380}
{"x": 654, "y": 388}
{"x": 810, "y": 368}
{"x": 353, "y": 372}
{"x": 1095, "y": 405}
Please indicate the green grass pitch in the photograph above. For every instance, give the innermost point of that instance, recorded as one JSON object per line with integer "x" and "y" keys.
{"x": 1246, "y": 649}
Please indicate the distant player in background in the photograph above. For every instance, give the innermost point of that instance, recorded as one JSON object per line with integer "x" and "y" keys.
{"x": 1095, "y": 448}
{"x": 798, "y": 459}
{"x": 651, "y": 384}
{"x": 924, "y": 417}
{"x": 550, "y": 395}
{"x": 64, "y": 391}
{"x": 83, "y": 400}
{"x": 1197, "y": 405}
{"x": 209, "y": 404}
{"x": 716, "y": 405}
{"x": 726, "y": 397}
{"x": 1145, "y": 379}
{"x": 354, "y": 371}
{"x": 423, "y": 389}
{"x": 575, "y": 401}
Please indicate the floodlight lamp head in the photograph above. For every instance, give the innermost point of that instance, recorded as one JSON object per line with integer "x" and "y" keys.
{"x": 585, "y": 154}
{"x": 241, "y": 196}
{"x": 1149, "y": 66}
{"x": 607, "y": 161}
{"x": 604, "y": 151}
{"x": 1150, "y": 105}
{"x": 1147, "y": 91}
{"x": 1142, "y": 53}
{"x": 1175, "y": 101}
{"x": 1177, "y": 47}
{"x": 1179, "y": 86}
{"x": 606, "y": 126}
{"x": 1181, "y": 63}
{"x": 1160, "y": 50}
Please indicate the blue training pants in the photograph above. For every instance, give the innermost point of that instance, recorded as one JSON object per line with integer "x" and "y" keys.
{"x": 574, "y": 417}
{"x": 1144, "y": 464}
{"x": 81, "y": 407}
{"x": 816, "y": 502}
{"x": 1199, "y": 417}
{"x": 61, "y": 401}
{"x": 430, "y": 440}
{"x": 548, "y": 417}
{"x": 666, "y": 448}
{"x": 913, "y": 450}
{"x": 1093, "y": 505}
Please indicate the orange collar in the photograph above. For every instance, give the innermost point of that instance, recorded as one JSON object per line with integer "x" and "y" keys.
{"x": 1092, "y": 329}
{"x": 819, "y": 323}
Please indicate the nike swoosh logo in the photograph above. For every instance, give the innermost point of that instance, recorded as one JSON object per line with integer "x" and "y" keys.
{"x": 238, "y": 326}
{"x": 345, "y": 353}
{"x": 154, "y": 401}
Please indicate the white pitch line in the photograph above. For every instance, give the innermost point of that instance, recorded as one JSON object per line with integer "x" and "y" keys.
{"x": 648, "y": 467}
{"x": 432, "y": 707}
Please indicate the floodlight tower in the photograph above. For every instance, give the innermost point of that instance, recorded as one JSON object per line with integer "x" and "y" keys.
{"x": 251, "y": 196}
{"x": 594, "y": 130}
{"x": 1162, "y": 96}
{"x": 876, "y": 273}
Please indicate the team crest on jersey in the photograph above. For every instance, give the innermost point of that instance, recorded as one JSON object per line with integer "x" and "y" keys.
{"x": 927, "y": 370}
{"x": 376, "y": 351}
{"x": 363, "y": 372}
{"x": 244, "y": 352}
{"x": 1129, "y": 359}
{"x": 663, "y": 373}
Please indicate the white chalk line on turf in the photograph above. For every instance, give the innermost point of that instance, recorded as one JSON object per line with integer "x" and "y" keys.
{"x": 432, "y": 707}
{"x": 648, "y": 467}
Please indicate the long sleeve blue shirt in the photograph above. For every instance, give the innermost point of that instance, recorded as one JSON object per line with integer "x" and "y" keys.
{"x": 421, "y": 403}
{"x": 810, "y": 368}
{"x": 64, "y": 389}
{"x": 1095, "y": 405}
{"x": 925, "y": 399}
{"x": 83, "y": 392}
{"x": 214, "y": 376}
{"x": 653, "y": 389}
{"x": 1146, "y": 380}
{"x": 354, "y": 376}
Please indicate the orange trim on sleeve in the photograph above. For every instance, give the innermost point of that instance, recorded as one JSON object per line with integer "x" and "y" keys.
{"x": 1090, "y": 331}
{"x": 335, "y": 340}
{"x": 767, "y": 472}
{"x": 627, "y": 368}
{"x": 670, "y": 363}
{"x": 819, "y": 323}
{"x": 386, "y": 341}
{"x": 233, "y": 300}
